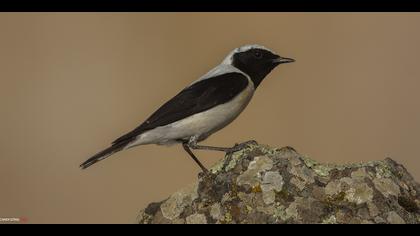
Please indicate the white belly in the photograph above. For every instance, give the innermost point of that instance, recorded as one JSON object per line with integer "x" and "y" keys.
{"x": 200, "y": 125}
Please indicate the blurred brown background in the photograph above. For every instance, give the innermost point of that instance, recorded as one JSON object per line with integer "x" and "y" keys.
{"x": 73, "y": 82}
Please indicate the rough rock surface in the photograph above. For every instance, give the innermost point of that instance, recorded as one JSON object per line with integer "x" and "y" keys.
{"x": 260, "y": 184}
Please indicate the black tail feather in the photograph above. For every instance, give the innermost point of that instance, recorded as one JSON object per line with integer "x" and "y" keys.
{"x": 103, "y": 154}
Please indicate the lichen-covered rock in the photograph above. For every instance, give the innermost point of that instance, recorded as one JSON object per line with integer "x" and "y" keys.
{"x": 266, "y": 185}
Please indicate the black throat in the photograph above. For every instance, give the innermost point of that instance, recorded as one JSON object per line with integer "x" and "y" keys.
{"x": 257, "y": 72}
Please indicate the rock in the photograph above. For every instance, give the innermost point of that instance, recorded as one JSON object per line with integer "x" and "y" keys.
{"x": 394, "y": 218}
{"x": 260, "y": 184}
{"x": 174, "y": 206}
{"x": 196, "y": 219}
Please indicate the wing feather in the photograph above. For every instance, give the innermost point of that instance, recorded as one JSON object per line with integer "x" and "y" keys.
{"x": 199, "y": 97}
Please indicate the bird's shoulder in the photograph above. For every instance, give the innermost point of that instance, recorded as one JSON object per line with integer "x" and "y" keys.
{"x": 220, "y": 70}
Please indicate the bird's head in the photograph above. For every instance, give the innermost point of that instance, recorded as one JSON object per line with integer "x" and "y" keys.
{"x": 255, "y": 60}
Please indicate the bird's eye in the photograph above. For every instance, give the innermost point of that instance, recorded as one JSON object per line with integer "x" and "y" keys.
{"x": 258, "y": 55}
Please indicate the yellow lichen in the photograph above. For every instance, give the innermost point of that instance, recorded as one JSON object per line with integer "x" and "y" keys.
{"x": 256, "y": 189}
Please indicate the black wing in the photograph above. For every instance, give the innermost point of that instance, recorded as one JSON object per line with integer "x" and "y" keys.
{"x": 199, "y": 97}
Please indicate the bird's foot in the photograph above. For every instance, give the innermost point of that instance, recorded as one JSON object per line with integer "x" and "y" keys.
{"x": 205, "y": 174}
{"x": 288, "y": 148}
{"x": 241, "y": 146}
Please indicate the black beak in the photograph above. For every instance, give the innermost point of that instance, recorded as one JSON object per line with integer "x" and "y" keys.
{"x": 281, "y": 60}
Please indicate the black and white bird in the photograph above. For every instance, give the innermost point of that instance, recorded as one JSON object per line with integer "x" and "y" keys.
{"x": 204, "y": 107}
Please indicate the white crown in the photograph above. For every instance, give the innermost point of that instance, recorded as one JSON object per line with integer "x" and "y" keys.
{"x": 229, "y": 57}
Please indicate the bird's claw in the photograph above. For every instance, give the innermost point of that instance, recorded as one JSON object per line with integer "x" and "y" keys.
{"x": 203, "y": 174}
{"x": 241, "y": 146}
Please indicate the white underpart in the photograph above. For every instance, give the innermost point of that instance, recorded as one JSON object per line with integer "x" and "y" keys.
{"x": 200, "y": 125}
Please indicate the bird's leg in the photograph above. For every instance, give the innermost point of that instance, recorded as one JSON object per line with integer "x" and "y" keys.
{"x": 188, "y": 150}
{"x": 193, "y": 144}
{"x": 210, "y": 148}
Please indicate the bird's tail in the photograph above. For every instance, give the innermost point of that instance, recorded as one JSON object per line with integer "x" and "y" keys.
{"x": 103, "y": 154}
